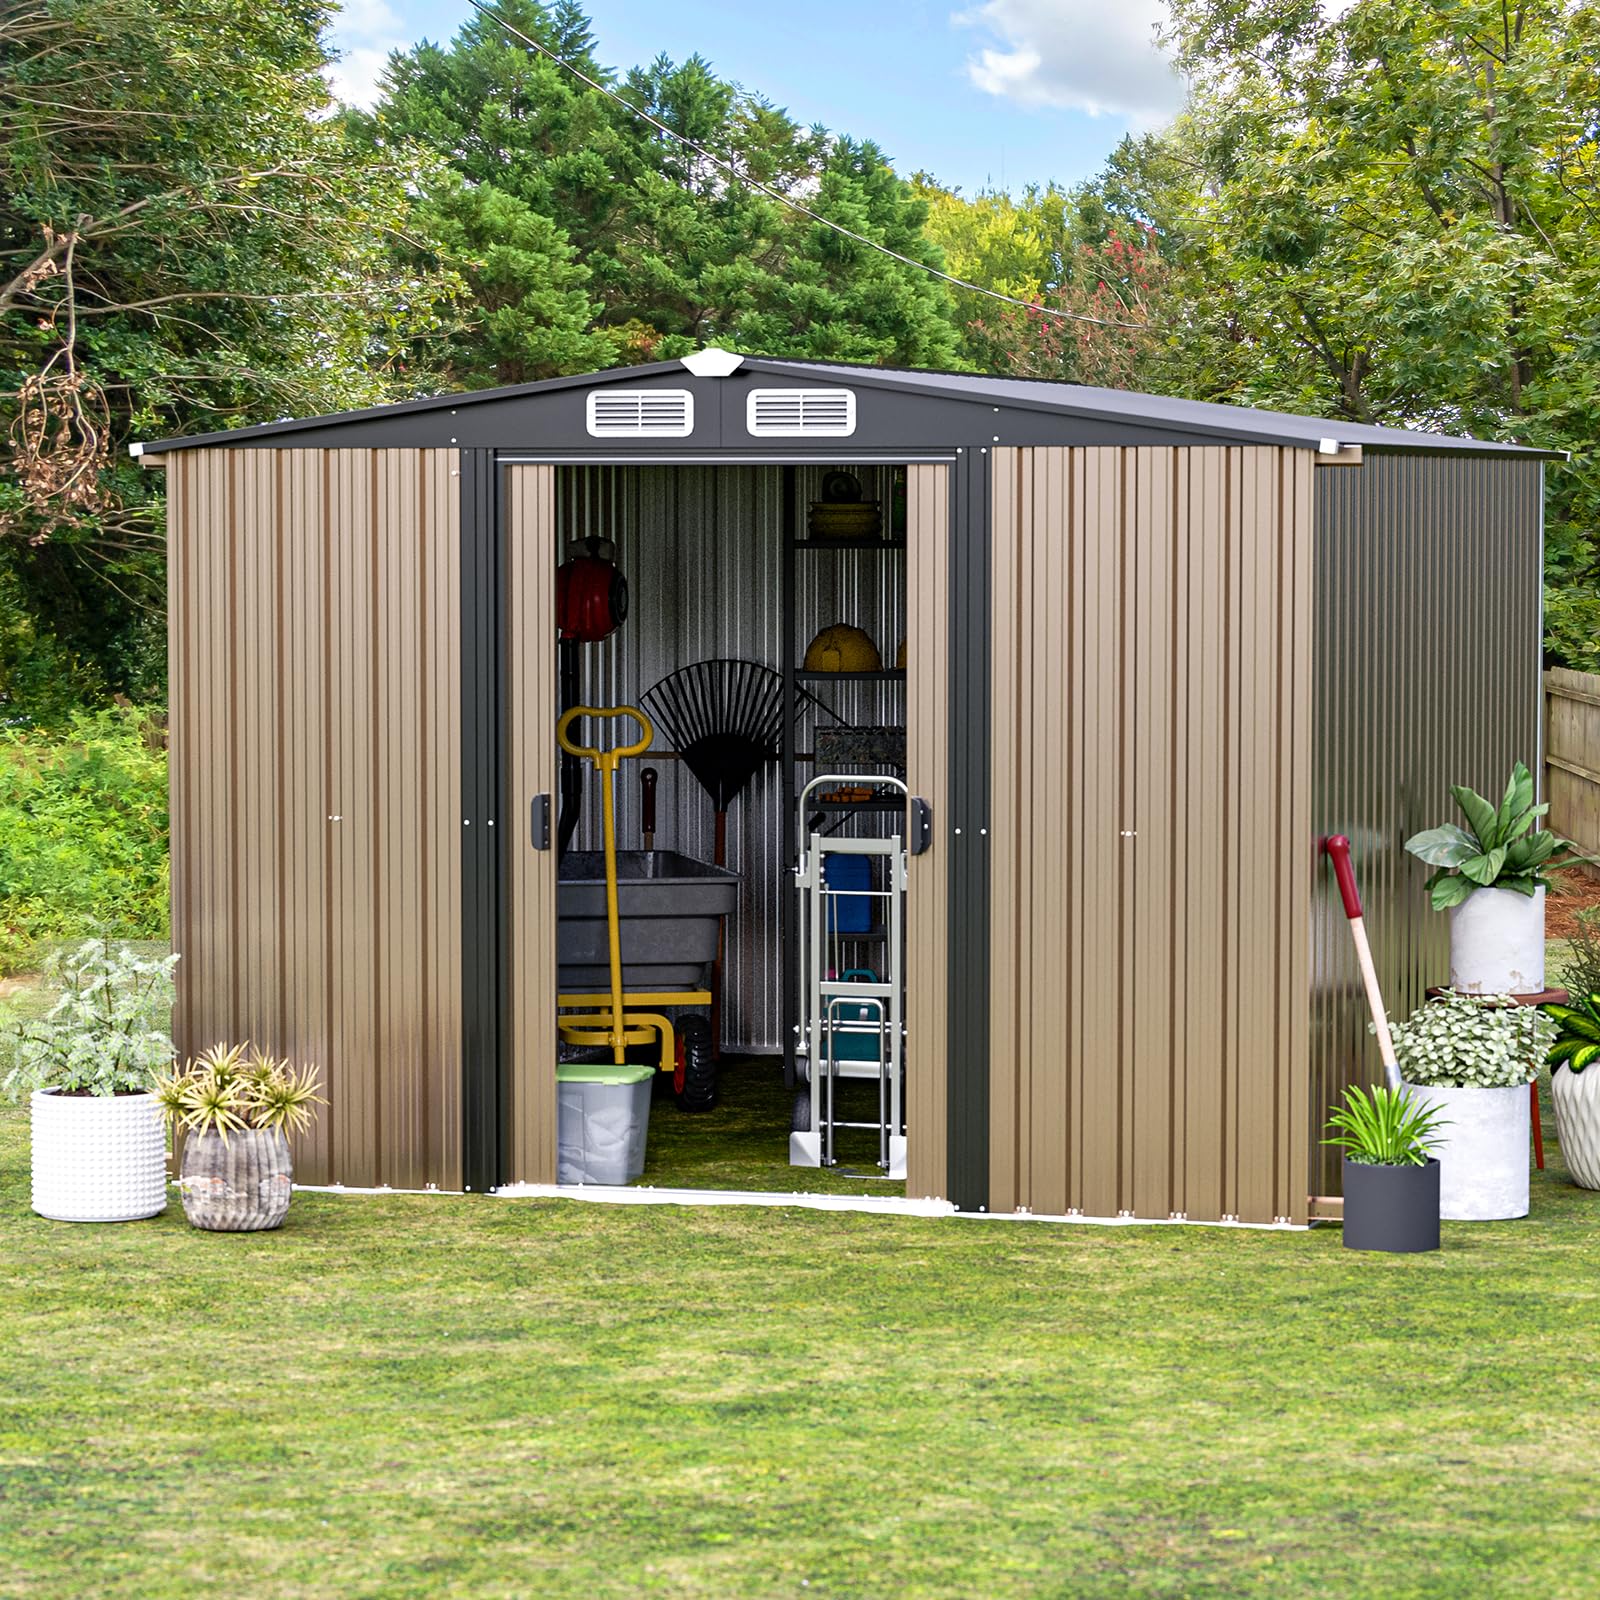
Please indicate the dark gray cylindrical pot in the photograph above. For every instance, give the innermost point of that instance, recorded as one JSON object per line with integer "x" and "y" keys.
{"x": 237, "y": 1184}
{"x": 1391, "y": 1208}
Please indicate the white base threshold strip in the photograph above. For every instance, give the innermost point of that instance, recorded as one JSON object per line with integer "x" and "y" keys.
{"x": 885, "y": 1205}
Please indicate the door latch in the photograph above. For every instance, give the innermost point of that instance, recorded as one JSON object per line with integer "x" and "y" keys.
{"x": 539, "y": 822}
{"x": 921, "y": 825}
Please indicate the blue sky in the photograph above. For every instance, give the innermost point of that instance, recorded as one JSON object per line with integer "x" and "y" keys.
{"x": 978, "y": 92}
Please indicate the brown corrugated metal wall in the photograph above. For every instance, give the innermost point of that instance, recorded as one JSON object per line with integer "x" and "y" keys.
{"x": 315, "y": 775}
{"x": 1427, "y": 674}
{"x": 531, "y": 652}
{"x": 1151, "y": 848}
{"x": 927, "y": 773}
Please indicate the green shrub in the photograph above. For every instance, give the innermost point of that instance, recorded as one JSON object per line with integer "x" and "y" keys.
{"x": 83, "y": 832}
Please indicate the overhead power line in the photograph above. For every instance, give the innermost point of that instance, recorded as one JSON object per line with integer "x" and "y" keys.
{"x": 788, "y": 200}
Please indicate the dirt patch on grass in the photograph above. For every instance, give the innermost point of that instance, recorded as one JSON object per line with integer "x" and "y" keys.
{"x": 1570, "y": 893}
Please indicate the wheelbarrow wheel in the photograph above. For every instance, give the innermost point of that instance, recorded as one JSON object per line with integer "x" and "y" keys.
{"x": 696, "y": 1076}
{"x": 800, "y": 1113}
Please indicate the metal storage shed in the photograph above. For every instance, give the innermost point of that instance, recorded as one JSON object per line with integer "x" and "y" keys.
{"x": 1157, "y": 649}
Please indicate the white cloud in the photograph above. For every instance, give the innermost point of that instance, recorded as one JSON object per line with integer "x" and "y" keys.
{"x": 1081, "y": 55}
{"x": 363, "y": 33}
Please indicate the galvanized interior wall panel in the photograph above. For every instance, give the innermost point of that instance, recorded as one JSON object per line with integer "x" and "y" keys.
{"x": 1427, "y": 674}
{"x": 702, "y": 549}
{"x": 315, "y": 775}
{"x": 1151, "y": 840}
{"x": 530, "y": 562}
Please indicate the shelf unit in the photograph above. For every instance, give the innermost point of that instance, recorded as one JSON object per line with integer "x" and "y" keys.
{"x": 877, "y": 484}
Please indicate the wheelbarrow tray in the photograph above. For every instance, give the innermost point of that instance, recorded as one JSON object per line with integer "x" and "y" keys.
{"x": 668, "y": 907}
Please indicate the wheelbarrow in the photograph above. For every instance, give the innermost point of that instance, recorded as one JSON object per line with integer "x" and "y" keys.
{"x": 621, "y": 1017}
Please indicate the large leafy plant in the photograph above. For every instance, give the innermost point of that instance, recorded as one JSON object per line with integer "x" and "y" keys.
{"x": 110, "y": 1031}
{"x": 1385, "y": 1127}
{"x": 1578, "y": 1039}
{"x": 1500, "y": 848}
{"x": 1472, "y": 1041}
{"x": 224, "y": 1090}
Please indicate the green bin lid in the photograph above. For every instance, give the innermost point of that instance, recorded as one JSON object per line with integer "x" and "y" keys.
{"x": 601, "y": 1072}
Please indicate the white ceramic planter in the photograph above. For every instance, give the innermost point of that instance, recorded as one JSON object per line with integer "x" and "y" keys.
{"x": 1483, "y": 1153}
{"x": 98, "y": 1158}
{"x": 1497, "y": 942}
{"x": 1577, "y": 1102}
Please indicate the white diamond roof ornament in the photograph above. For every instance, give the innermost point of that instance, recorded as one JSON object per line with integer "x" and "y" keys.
{"x": 712, "y": 362}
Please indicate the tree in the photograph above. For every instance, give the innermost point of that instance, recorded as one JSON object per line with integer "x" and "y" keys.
{"x": 186, "y": 243}
{"x": 1095, "y": 285}
{"x": 831, "y": 297}
{"x": 675, "y": 249}
{"x": 1394, "y": 216}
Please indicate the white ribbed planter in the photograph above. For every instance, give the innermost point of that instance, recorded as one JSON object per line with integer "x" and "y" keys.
{"x": 1577, "y": 1102}
{"x": 98, "y": 1158}
{"x": 1497, "y": 942}
{"x": 1483, "y": 1153}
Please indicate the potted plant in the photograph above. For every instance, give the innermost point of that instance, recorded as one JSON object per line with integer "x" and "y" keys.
{"x": 1491, "y": 878}
{"x": 235, "y": 1113}
{"x": 89, "y": 1066}
{"x": 1391, "y": 1182}
{"x": 1472, "y": 1057}
{"x": 1575, "y": 1087}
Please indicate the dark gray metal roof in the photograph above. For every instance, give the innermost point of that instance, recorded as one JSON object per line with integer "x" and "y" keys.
{"x": 1154, "y": 417}
{"x": 1239, "y": 424}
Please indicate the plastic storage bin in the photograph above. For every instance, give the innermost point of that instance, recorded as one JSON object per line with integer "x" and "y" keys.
{"x": 602, "y": 1121}
{"x": 848, "y": 913}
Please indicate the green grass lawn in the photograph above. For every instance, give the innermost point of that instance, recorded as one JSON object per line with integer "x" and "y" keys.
{"x": 441, "y": 1396}
{"x": 744, "y": 1142}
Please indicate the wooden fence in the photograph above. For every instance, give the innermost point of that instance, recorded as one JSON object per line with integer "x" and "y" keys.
{"x": 1572, "y": 757}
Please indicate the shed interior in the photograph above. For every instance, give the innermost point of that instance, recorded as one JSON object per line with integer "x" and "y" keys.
{"x": 766, "y": 618}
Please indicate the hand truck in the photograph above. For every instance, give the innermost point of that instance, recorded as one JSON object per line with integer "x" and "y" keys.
{"x": 852, "y": 1017}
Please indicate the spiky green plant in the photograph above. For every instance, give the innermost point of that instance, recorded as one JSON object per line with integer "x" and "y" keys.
{"x": 1385, "y": 1127}
{"x": 283, "y": 1096}
{"x": 1578, "y": 1043}
{"x": 1499, "y": 849}
{"x": 223, "y": 1090}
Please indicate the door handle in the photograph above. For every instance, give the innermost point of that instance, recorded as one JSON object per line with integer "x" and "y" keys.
{"x": 921, "y": 825}
{"x": 539, "y": 822}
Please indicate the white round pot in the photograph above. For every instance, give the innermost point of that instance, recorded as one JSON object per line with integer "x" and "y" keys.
{"x": 98, "y": 1158}
{"x": 1497, "y": 942}
{"x": 1577, "y": 1102}
{"x": 1483, "y": 1152}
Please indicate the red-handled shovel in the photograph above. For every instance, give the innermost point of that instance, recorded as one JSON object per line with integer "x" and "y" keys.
{"x": 1338, "y": 848}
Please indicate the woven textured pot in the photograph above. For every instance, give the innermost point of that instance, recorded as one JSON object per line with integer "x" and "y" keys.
{"x": 240, "y": 1184}
{"x": 1577, "y": 1102}
{"x": 98, "y": 1158}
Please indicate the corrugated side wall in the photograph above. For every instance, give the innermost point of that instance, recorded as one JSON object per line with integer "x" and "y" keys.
{"x": 702, "y": 549}
{"x": 315, "y": 776}
{"x": 1427, "y": 674}
{"x": 1151, "y": 838}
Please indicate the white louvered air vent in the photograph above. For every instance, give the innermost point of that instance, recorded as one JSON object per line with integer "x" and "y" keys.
{"x": 791, "y": 413}
{"x": 641, "y": 413}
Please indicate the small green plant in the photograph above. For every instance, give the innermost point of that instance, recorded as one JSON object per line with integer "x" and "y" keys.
{"x": 1579, "y": 966}
{"x": 1578, "y": 1038}
{"x": 108, "y": 1033}
{"x": 1385, "y": 1127}
{"x": 223, "y": 1090}
{"x": 1499, "y": 849}
{"x": 1472, "y": 1041}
